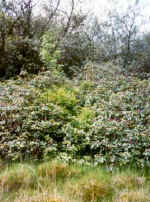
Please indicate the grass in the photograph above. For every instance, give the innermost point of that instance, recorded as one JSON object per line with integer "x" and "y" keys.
{"x": 54, "y": 181}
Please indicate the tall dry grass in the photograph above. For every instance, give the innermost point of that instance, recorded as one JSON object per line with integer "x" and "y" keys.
{"x": 54, "y": 181}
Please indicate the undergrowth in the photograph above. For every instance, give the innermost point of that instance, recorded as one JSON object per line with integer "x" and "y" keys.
{"x": 102, "y": 121}
{"x": 93, "y": 129}
{"x": 55, "y": 181}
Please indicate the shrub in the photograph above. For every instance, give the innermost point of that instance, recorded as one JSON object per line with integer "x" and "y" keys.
{"x": 104, "y": 123}
{"x": 21, "y": 54}
{"x": 49, "y": 50}
{"x": 62, "y": 97}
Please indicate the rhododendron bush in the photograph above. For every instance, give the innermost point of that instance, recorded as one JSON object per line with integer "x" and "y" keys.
{"x": 106, "y": 122}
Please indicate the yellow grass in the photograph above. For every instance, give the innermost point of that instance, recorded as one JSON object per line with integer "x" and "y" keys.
{"x": 54, "y": 181}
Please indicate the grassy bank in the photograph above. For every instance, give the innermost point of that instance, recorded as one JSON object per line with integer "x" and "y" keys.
{"x": 54, "y": 181}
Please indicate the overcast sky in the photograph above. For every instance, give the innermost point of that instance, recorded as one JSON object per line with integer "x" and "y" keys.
{"x": 99, "y": 6}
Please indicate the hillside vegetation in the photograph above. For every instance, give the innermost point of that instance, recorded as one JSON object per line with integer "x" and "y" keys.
{"x": 74, "y": 102}
{"x": 105, "y": 121}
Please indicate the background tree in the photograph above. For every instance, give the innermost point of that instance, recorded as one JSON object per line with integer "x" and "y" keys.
{"x": 80, "y": 36}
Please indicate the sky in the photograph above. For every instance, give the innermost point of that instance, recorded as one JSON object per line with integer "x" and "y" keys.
{"x": 99, "y": 7}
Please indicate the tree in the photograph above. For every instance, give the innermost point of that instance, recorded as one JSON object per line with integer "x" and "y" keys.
{"x": 17, "y": 48}
{"x": 115, "y": 35}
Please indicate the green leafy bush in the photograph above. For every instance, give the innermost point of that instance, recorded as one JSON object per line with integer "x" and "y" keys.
{"x": 86, "y": 115}
{"x": 105, "y": 122}
{"x": 61, "y": 97}
{"x": 21, "y": 54}
{"x": 49, "y": 50}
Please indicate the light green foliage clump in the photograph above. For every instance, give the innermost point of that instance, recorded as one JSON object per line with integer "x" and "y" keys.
{"x": 62, "y": 97}
{"x": 86, "y": 85}
{"x": 49, "y": 50}
{"x": 86, "y": 115}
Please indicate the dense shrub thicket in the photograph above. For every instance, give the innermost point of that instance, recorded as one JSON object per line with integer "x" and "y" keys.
{"x": 105, "y": 121}
{"x": 101, "y": 115}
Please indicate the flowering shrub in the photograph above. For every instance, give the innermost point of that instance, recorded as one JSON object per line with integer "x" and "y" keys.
{"x": 105, "y": 122}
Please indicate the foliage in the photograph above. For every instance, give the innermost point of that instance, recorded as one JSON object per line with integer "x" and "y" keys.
{"x": 18, "y": 47}
{"x": 141, "y": 50}
{"x": 76, "y": 49}
{"x": 49, "y": 49}
{"x": 62, "y": 41}
{"x": 20, "y": 56}
{"x": 62, "y": 97}
{"x": 105, "y": 121}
